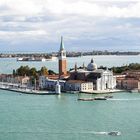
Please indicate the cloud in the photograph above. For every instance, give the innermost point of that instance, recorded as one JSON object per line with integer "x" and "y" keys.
{"x": 93, "y": 8}
{"x": 64, "y": 7}
{"x": 90, "y": 21}
{"x": 18, "y": 38}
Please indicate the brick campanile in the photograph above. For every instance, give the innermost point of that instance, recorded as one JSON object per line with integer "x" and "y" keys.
{"x": 62, "y": 60}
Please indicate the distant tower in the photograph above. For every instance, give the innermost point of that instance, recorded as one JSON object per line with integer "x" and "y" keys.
{"x": 62, "y": 59}
{"x": 83, "y": 65}
{"x": 75, "y": 68}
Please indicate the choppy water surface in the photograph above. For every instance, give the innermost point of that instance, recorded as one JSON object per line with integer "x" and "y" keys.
{"x": 63, "y": 117}
{"x": 34, "y": 117}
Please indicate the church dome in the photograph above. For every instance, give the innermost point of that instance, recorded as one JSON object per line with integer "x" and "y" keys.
{"x": 92, "y": 66}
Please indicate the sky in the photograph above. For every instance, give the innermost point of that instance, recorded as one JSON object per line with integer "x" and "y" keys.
{"x": 86, "y": 25}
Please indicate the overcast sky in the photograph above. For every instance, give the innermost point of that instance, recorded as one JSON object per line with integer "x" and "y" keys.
{"x": 37, "y": 25}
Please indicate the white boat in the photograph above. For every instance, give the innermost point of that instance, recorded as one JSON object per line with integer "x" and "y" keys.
{"x": 31, "y": 59}
{"x": 134, "y": 91}
{"x": 43, "y": 59}
{"x": 114, "y": 133}
{"x": 53, "y": 58}
{"x": 20, "y": 59}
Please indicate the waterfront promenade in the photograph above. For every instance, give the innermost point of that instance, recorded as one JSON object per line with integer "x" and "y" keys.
{"x": 24, "y": 89}
{"x": 16, "y": 88}
{"x": 104, "y": 91}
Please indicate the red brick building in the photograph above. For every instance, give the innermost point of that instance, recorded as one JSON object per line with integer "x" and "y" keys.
{"x": 62, "y": 60}
{"x": 130, "y": 81}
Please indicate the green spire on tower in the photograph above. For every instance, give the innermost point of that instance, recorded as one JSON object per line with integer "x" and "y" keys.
{"x": 62, "y": 44}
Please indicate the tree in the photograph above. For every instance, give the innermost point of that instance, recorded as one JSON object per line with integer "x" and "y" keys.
{"x": 23, "y": 70}
{"x": 44, "y": 71}
{"x": 132, "y": 66}
{"x": 33, "y": 72}
{"x": 51, "y": 72}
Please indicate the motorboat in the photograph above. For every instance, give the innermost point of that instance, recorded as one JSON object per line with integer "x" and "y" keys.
{"x": 91, "y": 99}
{"x": 85, "y": 99}
{"x": 100, "y": 98}
{"x": 114, "y": 133}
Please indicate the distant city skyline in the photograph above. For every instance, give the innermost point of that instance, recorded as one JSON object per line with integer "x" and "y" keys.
{"x": 86, "y": 25}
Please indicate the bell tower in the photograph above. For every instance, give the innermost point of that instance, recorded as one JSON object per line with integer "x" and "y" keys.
{"x": 62, "y": 59}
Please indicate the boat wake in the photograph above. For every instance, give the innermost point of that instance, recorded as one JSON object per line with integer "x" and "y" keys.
{"x": 124, "y": 99}
{"x": 99, "y": 133}
{"x": 112, "y": 133}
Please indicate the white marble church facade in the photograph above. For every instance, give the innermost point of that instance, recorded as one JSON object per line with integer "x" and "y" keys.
{"x": 106, "y": 81}
{"x": 101, "y": 79}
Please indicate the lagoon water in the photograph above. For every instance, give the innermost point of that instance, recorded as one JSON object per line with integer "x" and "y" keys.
{"x": 34, "y": 117}
{"x": 8, "y": 64}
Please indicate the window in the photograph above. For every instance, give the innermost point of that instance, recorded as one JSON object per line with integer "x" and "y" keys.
{"x": 64, "y": 54}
